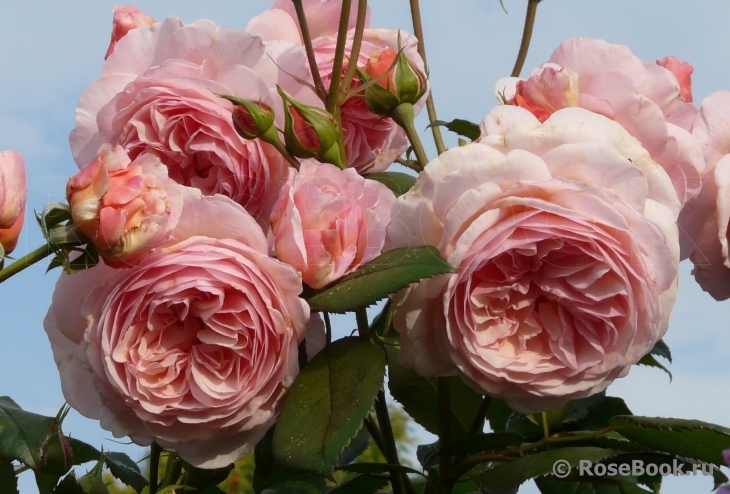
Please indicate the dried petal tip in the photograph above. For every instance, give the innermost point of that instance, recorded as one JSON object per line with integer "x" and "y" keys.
{"x": 311, "y": 132}
{"x": 125, "y": 19}
{"x": 683, "y": 72}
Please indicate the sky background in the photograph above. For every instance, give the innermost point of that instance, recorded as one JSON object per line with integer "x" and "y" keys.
{"x": 50, "y": 51}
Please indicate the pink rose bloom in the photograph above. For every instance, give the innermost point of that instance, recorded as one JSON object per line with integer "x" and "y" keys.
{"x": 124, "y": 20}
{"x": 194, "y": 347}
{"x": 705, "y": 220}
{"x": 371, "y": 142}
{"x": 564, "y": 239}
{"x": 647, "y": 99}
{"x": 328, "y": 222}
{"x": 13, "y": 195}
{"x": 125, "y": 207}
{"x": 683, "y": 72}
{"x": 158, "y": 94}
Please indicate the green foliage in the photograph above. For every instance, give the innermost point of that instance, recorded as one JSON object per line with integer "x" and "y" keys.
{"x": 465, "y": 128}
{"x": 398, "y": 182}
{"x": 382, "y": 276}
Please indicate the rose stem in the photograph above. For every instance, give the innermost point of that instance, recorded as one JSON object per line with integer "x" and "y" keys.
{"x": 328, "y": 328}
{"x": 374, "y": 431}
{"x": 363, "y": 327}
{"x": 430, "y": 107}
{"x": 526, "y": 36}
{"x": 444, "y": 430}
{"x": 307, "y": 40}
{"x": 155, "y": 451}
{"x": 334, "y": 91}
{"x": 362, "y": 9}
{"x": 28, "y": 260}
{"x": 545, "y": 427}
{"x": 286, "y": 154}
{"x": 477, "y": 427}
{"x": 173, "y": 469}
{"x": 390, "y": 453}
{"x": 403, "y": 116}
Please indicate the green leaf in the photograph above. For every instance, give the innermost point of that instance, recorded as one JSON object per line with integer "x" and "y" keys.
{"x": 357, "y": 446}
{"x": 382, "y": 276}
{"x": 126, "y": 470}
{"x": 551, "y": 485}
{"x": 267, "y": 473}
{"x": 201, "y": 477}
{"x": 292, "y": 488}
{"x": 326, "y": 405}
{"x": 92, "y": 482}
{"x": 376, "y": 468}
{"x": 69, "y": 485}
{"x": 649, "y": 361}
{"x": 8, "y": 480}
{"x": 82, "y": 452}
{"x": 511, "y": 475}
{"x": 599, "y": 414}
{"x": 688, "y": 438}
{"x": 24, "y": 436}
{"x": 398, "y": 182}
{"x": 520, "y": 424}
{"x": 362, "y": 484}
{"x": 88, "y": 259}
{"x": 481, "y": 443}
{"x": 464, "y": 128}
{"x": 419, "y": 397}
{"x": 662, "y": 350}
{"x": 46, "y": 482}
{"x": 498, "y": 414}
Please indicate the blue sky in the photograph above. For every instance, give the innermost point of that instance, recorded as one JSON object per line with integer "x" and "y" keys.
{"x": 50, "y": 51}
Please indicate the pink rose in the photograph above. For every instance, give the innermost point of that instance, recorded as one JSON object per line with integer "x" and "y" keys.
{"x": 124, "y": 20}
{"x": 328, "y": 222}
{"x": 158, "y": 94}
{"x": 13, "y": 194}
{"x": 645, "y": 98}
{"x": 194, "y": 347}
{"x": 706, "y": 219}
{"x": 565, "y": 242}
{"x": 683, "y": 72}
{"x": 371, "y": 142}
{"x": 125, "y": 207}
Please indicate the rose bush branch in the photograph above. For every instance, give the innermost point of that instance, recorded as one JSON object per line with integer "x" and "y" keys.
{"x": 526, "y": 36}
{"x": 333, "y": 95}
{"x": 362, "y": 8}
{"x": 25, "y": 262}
{"x": 307, "y": 41}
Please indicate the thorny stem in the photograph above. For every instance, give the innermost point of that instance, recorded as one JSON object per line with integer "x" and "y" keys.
{"x": 545, "y": 428}
{"x": 286, "y": 154}
{"x": 430, "y": 107}
{"x": 478, "y": 425}
{"x": 363, "y": 327}
{"x": 334, "y": 91}
{"x": 307, "y": 40}
{"x": 375, "y": 433}
{"x": 526, "y": 36}
{"x": 328, "y": 327}
{"x": 444, "y": 430}
{"x": 408, "y": 164}
{"x": 26, "y": 261}
{"x": 173, "y": 469}
{"x": 391, "y": 453}
{"x": 362, "y": 9}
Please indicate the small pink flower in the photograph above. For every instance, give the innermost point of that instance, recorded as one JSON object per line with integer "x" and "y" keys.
{"x": 683, "y": 72}
{"x": 194, "y": 347}
{"x": 328, "y": 222}
{"x": 13, "y": 195}
{"x": 645, "y": 98}
{"x": 564, "y": 239}
{"x": 125, "y": 207}
{"x": 124, "y": 20}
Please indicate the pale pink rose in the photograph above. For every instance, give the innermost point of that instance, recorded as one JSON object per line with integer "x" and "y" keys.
{"x": 683, "y": 72}
{"x": 328, "y": 222}
{"x": 194, "y": 347}
{"x": 645, "y": 98}
{"x": 13, "y": 195}
{"x": 564, "y": 239}
{"x": 124, "y": 19}
{"x": 125, "y": 207}
{"x": 158, "y": 94}
{"x": 706, "y": 219}
{"x": 371, "y": 142}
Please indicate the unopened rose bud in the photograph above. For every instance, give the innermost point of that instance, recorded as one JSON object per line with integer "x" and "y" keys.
{"x": 683, "y": 72}
{"x": 13, "y": 195}
{"x": 125, "y": 19}
{"x": 397, "y": 81}
{"x": 253, "y": 119}
{"x": 311, "y": 132}
{"x": 125, "y": 207}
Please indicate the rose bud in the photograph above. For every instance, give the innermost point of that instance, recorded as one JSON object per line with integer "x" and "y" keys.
{"x": 683, "y": 72}
{"x": 253, "y": 119}
{"x": 398, "y": 81}
{"x": 311, "y": 132}
{"x": 125, "y": 19}
{"x": 125, "y": 207}
{"x": 13, "y": 195}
